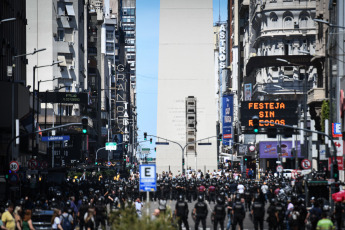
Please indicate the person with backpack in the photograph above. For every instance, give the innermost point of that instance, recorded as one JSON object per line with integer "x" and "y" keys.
{"x": 314, "y": 215}
{"x": 66, "y": 220}
{"x": 294, "y": 218}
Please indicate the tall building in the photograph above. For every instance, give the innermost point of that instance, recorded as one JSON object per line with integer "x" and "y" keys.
{"x": 186, "y": 74}
{"x": 14, "y": 94}
{"x": 58, "y": 27}
{"x": 279, "y": 41}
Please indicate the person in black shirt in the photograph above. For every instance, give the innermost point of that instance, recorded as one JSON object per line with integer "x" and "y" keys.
{"x": 181, "y": 211}
{"x": 338, "y": 213}
{"x": 200, "y": 210}
{"x": 219, "y": 213}
{"x": 258, "y": 212}
{"x": 238, "y": 213}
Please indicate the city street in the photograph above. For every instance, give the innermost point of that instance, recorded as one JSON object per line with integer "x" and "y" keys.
{"x": 247, "y": 223}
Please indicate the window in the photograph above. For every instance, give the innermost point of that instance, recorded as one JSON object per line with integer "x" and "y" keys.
{"x": 288, "y": 22}
{"x": 128, "y": 11}
{"x": 110, "y": 35}
{"x": 110, "y": 47}
{"x": 68, "y": 35}
{"x": 304, "y": 22}
{"x": 61, "y": 34}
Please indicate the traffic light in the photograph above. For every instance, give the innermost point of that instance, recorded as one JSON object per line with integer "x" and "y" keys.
{"x": 150, "y": 140}
{"x": 255, "y": 124}
{"x": 145, "y": 136}
{"x": 155, "y": 149}
{"x": 220, "y": 137}
{"x": 245, "y": 159}
{"x": 272, "y": 132}
{"x": 335, "y": 172}
{"x": 288, "y": 132}
{"x": 84, "y": 121}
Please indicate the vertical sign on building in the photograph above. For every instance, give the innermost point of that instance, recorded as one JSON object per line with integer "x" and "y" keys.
{"x": 222, "y": 46}
{"x": 228, "y": 105}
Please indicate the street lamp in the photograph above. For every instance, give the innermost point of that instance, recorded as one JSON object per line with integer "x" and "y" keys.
{"x": 306, "y": 149}
{"x": 7, "y": 20}
{"x": 329, "y": 46}
{"x": 13, "y": 96}
{"x": 33, "y": 95}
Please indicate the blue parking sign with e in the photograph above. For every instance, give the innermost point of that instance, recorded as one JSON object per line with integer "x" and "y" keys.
{"x": 148, "y": 179}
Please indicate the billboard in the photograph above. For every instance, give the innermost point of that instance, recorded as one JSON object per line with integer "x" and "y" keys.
{"x": 227, "y": 109}
{"x": 268, "y": 149}
{"x": 281, "y": 112}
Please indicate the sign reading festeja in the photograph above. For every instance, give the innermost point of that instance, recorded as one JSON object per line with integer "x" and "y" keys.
{"x": 281, "y": 112}
{"x": 110, "y": 146}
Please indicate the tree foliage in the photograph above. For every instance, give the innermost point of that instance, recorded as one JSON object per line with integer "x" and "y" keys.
{"x": 127, "y": 219}
{"x": 324, "y": 114}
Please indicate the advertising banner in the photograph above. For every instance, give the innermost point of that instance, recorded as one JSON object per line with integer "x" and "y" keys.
{"x": 228, "y": 105}
{"x": 268, "y": 149}
{"x": 340, "y": 161}
{"x": 248, "y": 92}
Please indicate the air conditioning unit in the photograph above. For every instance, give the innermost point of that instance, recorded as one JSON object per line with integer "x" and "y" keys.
{"x": 70, "y": 43}
{"x": 71, "y": 67}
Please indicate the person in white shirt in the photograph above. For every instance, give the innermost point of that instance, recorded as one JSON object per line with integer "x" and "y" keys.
{"x": 138, "y": 207}
{"x": 264, "y": 189}
{"x": 240, "y": 188}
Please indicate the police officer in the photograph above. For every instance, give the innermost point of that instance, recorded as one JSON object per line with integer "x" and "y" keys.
{"x": 100, "y": 212}
{"x": 258, "y": 212}
{"x": 272, "y": 216}
{"x": 200, "y": 210}
{"x": 238, "y": 212}
{"x": 181, "y": 212}
{"x": 219, "y": 213}
{"x": 81, "y": 212}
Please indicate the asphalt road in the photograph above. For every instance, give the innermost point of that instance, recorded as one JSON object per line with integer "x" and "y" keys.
{"x": 247, "y": 224}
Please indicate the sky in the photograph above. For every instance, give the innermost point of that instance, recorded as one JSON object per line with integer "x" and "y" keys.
{"x": 147, "y": 22}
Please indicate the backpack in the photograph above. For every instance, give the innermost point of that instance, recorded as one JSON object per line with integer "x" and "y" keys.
{"x": 314, "y": 216}
{"x": 65, "y": 223}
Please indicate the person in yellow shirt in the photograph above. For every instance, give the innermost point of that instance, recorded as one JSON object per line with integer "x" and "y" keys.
{"x": 8, "y": 219}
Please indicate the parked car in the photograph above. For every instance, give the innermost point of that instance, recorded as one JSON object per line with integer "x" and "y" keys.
{"x": 287, "y": 173}
{"x": 41, "y": 219}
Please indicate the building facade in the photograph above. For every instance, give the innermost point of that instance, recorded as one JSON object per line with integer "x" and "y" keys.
{"x": 186, "y": 70}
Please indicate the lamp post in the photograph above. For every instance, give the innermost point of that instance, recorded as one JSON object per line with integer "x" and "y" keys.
{"x": 33, "y": 99}
{"x": 330, "y": 75}
{"x": 12, "y": 85}
{"x": 305, "y": 101}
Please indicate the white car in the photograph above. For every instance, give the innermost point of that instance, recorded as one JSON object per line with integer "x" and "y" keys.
{"x": 287, "y": 173}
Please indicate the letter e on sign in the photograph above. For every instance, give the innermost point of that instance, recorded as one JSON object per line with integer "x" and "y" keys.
{"x": 147, "y": 172}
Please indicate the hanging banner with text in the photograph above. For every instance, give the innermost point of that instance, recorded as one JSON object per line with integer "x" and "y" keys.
{"x": 228, "y": 105}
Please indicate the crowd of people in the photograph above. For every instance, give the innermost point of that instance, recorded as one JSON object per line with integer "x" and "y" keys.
{"x": 86, "y": 203}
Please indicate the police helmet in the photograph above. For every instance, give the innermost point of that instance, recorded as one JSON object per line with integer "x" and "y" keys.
{"x": 200, "y": 198}
{"x": 180, "y": 198}
{"x": 220, "y": 200}
{"x": 273, "y": 201}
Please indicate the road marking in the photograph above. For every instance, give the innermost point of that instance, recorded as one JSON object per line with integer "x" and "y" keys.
{"x": 208, "y": 205}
